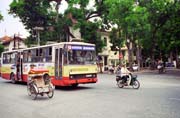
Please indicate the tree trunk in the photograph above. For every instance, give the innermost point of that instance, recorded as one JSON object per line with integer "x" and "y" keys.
{"x": 152, "y": 66}
{"x": 139, "y": 57}
{"x": 130, "y": 54}
{"x": 177, "y": 59}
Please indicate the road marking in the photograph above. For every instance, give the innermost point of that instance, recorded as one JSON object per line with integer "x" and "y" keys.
{"x": 177, "y": 99}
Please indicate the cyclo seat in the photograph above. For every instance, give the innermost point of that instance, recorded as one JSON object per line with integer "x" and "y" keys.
{"x": 37, "y": 76}
{"x": 40, "y": 82}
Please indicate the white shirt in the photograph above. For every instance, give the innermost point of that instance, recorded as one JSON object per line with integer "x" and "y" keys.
{"x": 124, "y": 71}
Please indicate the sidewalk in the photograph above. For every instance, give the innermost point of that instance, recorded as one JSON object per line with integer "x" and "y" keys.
{"x": 155, "y": 71}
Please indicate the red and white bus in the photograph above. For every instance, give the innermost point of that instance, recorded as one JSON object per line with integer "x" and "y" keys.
{"x": 68, "y": 63}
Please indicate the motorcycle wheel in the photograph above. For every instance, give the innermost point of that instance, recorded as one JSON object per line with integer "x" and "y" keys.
{"x": 51, "y": 91}
{"x": 136, "y": 84}
{"x": 120, "y": 84}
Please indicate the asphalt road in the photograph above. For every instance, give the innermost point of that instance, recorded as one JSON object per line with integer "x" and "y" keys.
{"x": 158, "y": 97}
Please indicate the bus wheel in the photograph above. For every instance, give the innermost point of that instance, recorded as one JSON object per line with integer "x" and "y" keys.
{"x": 74, "y": 85}
{"x": 12, "y": 78}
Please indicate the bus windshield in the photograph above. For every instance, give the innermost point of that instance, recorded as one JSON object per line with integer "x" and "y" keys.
{"x": 81, "y": 55}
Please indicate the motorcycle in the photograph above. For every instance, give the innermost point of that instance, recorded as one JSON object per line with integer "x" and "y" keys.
{"x": 160, "y": 68}
{"x": 133, "y": 81}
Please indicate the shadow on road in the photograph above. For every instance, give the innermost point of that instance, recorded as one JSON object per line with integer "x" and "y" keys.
{"x": 69, "y": 88}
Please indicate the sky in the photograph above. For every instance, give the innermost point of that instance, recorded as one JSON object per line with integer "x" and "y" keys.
{"x": 10, "y": 25}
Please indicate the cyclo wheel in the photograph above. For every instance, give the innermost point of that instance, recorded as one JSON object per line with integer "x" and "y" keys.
{"x": 50, "y": 94}
{"x": 29, "y": 88}
{"x": 32, "y": 90}
{"x": 136, "y": 84}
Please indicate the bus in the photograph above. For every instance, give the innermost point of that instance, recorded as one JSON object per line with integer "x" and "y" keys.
{"x": 68, "y": 63}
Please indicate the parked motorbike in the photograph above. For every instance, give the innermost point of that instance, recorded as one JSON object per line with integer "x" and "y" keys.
{"x": 133, "y": 81}
{"x": 160, "y": 68}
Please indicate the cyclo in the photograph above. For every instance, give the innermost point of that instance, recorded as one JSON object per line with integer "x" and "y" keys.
{"x": 39, "y": 83}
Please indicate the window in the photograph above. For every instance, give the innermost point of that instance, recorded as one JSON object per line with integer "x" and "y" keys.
{"x": 38, "y": 55}
{"x": 47, "y": 52}
{"x": 9, "y": 58}
{"x": 34, "y": 55}
{"x": 81, "y": 57}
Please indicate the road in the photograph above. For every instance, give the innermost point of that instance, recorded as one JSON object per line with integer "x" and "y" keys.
{"x": 158, "y": 97}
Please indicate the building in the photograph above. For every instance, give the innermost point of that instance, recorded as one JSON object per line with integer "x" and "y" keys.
{"x": 11, "y": 43}
{"x": 111, "y": 57}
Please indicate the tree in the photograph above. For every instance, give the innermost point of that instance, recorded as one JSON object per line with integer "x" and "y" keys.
{"x": 1, "y": 48}
{"x": 1, "y": 17}
{"x": 169, "y": 34}
{"x": 161, "y": 13}
{"x": 40, "y": 13}
{"x": 33, "y": 13}
{"x": 84, "y": 16}
{"x": 131, "y": 21}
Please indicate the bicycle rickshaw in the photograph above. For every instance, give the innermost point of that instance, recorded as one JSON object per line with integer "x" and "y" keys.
{"x": 39, "y": 83}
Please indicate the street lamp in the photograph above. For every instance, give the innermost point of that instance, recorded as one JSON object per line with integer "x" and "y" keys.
{"x": 38, "y": 29}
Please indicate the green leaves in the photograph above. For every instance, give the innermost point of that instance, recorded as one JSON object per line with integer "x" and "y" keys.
{"x": 1, "y": 17}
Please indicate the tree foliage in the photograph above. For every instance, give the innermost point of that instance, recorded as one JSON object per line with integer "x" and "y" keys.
{"x": 88, "y": 28}
{"x": 1, "y": 17}
{"x": 151, "y": 25}
{"x": 39, "y": 13}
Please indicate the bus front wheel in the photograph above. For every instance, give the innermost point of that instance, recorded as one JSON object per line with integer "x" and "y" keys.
{"x": 74, "y": 85}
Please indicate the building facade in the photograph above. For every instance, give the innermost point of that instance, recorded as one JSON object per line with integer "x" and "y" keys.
{"x": 110, "y": 57}
{"x": 12, "y": 43}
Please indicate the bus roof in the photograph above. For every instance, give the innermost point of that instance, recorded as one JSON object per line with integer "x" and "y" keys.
{"x": 55, "y": 44}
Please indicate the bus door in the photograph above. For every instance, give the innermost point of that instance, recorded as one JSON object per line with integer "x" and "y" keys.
{"x": 19, "y": 69}
{"x": 58, "y": 63}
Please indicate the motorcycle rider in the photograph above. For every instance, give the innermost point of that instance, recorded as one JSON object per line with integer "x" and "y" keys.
{"x": 125, "y": 74}
{"x": 160, "y": 66}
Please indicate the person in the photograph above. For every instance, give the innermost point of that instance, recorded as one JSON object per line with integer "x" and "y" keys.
{"x": 118, "y": 71}
{"x": 160, "y": 66}
{"x": 18, "y": 59}
{"x": 125, "y": 73}
{"x": 111, "y": 69}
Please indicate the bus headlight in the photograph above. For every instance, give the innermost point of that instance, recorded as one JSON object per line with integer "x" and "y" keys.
{"x": 89, "y": 75}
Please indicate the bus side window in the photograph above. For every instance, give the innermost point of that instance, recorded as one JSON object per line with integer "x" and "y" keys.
{"x": 25, "y": 58}
{"x": 8, "y": 58}
{"x": 40, "y": 55}
{"x": 29, "y": 56}
{"x": 4, "y": 58}
{"x": 48, "y": 54}
{"x": 37, "y": 58}
{"x": 12, "y": 57}
{"x": 33, "y": 55}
